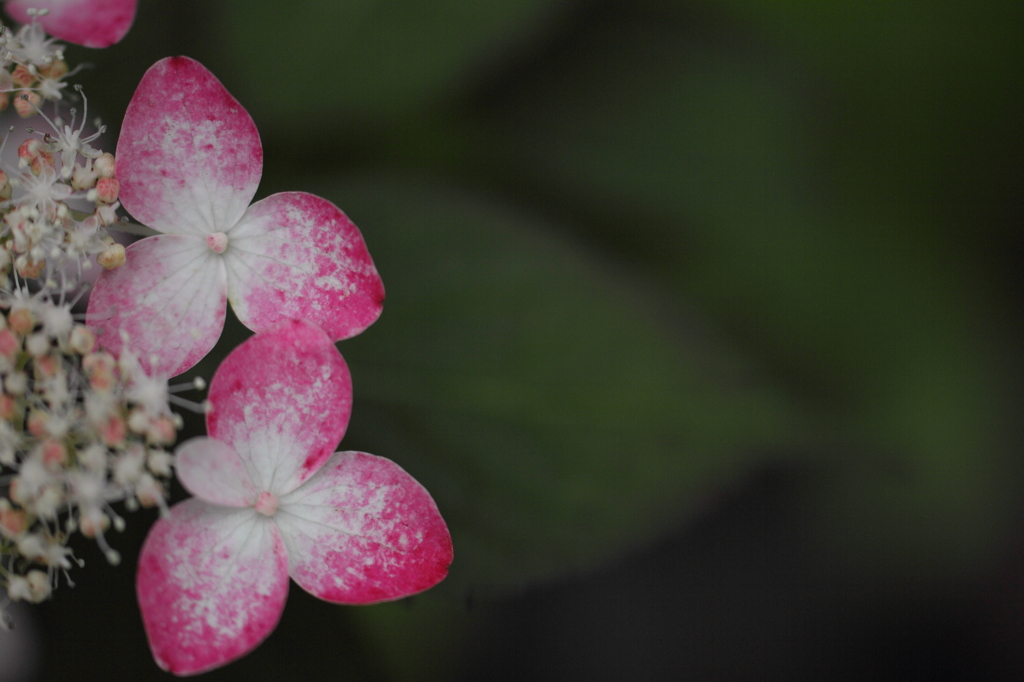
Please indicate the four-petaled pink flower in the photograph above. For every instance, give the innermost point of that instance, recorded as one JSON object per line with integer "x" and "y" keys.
{"x": 271, "y": 500}
{"x": 93, "y": 23}
{"x": 189, "y": 160}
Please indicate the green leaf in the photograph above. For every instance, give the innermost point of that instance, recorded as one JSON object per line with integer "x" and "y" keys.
{"x": 705, "y": 146}
{"x": 326, "y": 62}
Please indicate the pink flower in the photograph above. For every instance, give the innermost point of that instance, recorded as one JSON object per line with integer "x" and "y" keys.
{"x": 189, "y": 160}
{"x": 272, "y": 501}
{"x": 93, "y": 23}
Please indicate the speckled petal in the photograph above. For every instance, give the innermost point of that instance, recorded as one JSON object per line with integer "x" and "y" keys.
{"x": 211, "y": 583}
{"x": 362, "y": 530}
{"x": 211, "y": 470}
{"x": 297, "y": 256}
{"x": 93, "y": 23}
{"x": 282, "y": 399}
{"x": 169, "y": 296}
{"x": 189, "y": 158}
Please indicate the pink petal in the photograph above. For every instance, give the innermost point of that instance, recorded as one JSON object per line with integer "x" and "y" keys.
{"x": 297, "y": 256}
{"x": 211, "y": 583}
{"x": 93, "y": 23}
{"x": 169, "y": 296}
{"x": 189, "y": 158}
{"x": 282, "y": 399}
{"x": 212, "y": 471}
{"x": 362, "y": 530}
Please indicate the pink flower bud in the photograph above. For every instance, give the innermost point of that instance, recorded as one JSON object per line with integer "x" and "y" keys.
{"x": 99, "y": 367}
{"x": 93, "y": 522}
{"x": 29, "y": 269}
{"x": 46, "y": 367}
{"x": 21, "y": 320}
{"x": 22, "y": 77}
{"x": 113, "y": 431}
{"x": 14, "y": 492}
{"x": 10, "y": 344}
{"x": 32, "y": 153}
{"x": 29, "y": 149}
{"x": 26, "y": 103}
{"x": 107, "y": 189}
{"x": 161, "y": 431}
{"x": 42, "y": 161}
{"x": 12, "y": 521}
{"x": 55, "y": 454}
{"x": 148, "y": 491}
{"x": 7, "y": 408}
{"x": 37, "y": 423}
{"x": 98, "y": 362}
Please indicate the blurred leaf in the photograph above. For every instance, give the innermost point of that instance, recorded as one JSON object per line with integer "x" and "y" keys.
{"x": 701, "y": 143}
{"x": 552, "y": 414}
{"x": 426, "y": 637}
{"x": 329, "y": 61}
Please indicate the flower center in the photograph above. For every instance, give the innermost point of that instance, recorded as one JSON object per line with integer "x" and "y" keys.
{"x": 266, "y": 504}
{"x": 218, "y": 242}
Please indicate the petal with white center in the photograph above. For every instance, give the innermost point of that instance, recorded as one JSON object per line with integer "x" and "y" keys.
{"x": 211, "y": 583}
{"x": 294, "y": 255}
{"x": 212, "y": 471}
{"x": 282, "y": 399}
{"x": 362, "y": 530}
{"x": 189, "y": 157}
{"x": 170, "y": 297}
{"x": 92, "y": 23}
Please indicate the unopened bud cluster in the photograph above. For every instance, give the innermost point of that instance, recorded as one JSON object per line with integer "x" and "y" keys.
{"x": 79, "y": 431}
{"x": 57, "y": 169}
{"x": 32, "y": 68}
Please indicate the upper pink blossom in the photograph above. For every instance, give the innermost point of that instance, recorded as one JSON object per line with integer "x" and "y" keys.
{"x": 271, "y": 500}
{"x": 189, "y": 161}
{"x": 93, "y": 23}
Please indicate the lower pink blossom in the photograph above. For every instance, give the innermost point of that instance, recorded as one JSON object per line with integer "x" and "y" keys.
{"x": 272, "y": 501}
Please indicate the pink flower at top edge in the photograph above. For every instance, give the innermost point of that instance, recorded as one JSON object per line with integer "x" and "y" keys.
{"x": 189, "y": 160}
{"x": 272, "y": 501}
{"x": 93, "y": 23}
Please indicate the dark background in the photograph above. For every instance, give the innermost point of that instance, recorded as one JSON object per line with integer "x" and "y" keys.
{"x": 703, "y": 329}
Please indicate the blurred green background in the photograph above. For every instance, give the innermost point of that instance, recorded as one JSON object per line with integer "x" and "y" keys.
{"x": 703, "y": 329}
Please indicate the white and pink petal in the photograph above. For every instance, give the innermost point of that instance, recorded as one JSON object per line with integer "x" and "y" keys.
{"x": 282, "y": 400}
{"x": 362, "y": 530}
{"x": 92, "y": 23}
{"x": 189, "y": 157}
{"x": 170, "y": 298}
{"x": 211, "y": 583}
{"x": 294, "y": 255}
{"x": 212, "y": 471}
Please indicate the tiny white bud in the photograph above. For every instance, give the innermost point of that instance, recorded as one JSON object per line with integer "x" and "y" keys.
{"x": 16, "y": 383}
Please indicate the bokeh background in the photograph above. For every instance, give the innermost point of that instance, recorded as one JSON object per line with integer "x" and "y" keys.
{"x": 703, "y": 329}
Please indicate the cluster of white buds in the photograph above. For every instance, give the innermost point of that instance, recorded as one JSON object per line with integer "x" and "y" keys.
{"x": 79, "y": 431}
{"x": 39, "y": 226}
{"x": 32, "y": 67}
